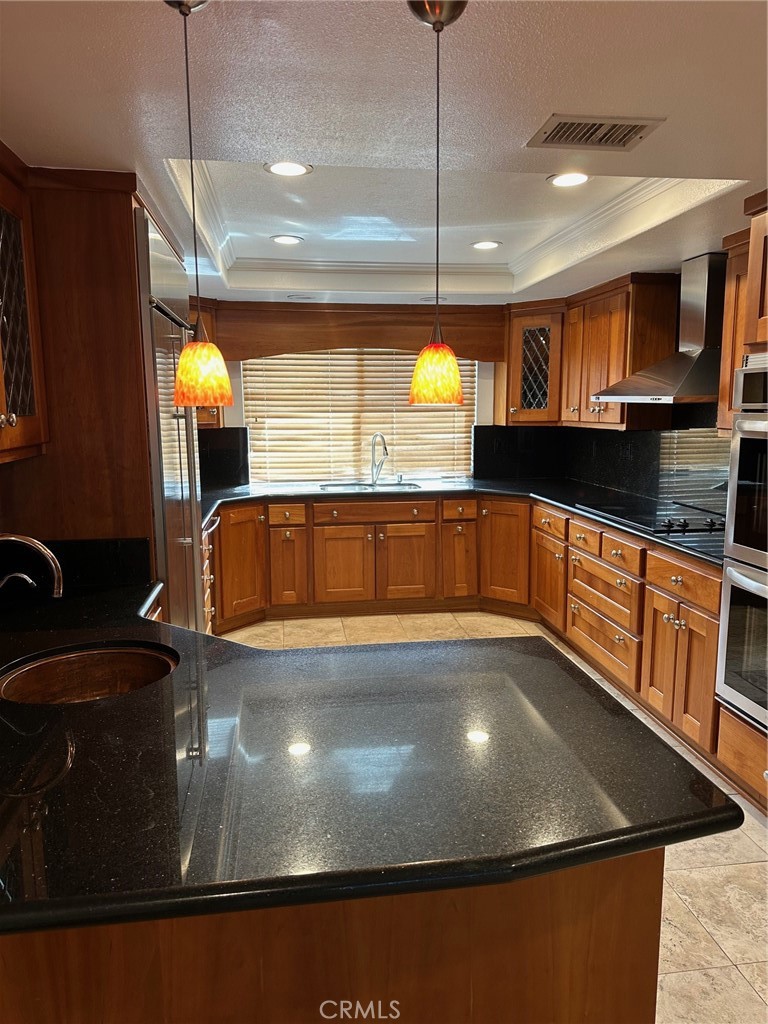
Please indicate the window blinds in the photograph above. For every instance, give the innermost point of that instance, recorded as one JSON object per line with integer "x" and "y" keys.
{"x": 311, "y": 416}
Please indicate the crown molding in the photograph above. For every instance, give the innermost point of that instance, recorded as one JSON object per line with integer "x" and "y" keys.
{"x": 210, "y": 220}
{"x": 255, "y": 265}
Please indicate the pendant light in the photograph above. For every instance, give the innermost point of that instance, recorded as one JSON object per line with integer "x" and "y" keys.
{"x": 201, "y": 376}
{"x": 436, "y": 379}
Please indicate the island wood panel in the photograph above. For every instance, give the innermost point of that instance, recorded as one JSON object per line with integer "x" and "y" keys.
{"x": 94, "y": 480}
{"x": 344, "y": 563}
{"x": 695, "y": 669}
{"x": 579, "y": 944}
{"x": 504, "y": 549}
{"x": 459, "y": 559}
{"x": 248, "y": 330}
{"x": 241, "y": 556}
{"x": 406, "y": 560}
{"x": 288, "y": 565}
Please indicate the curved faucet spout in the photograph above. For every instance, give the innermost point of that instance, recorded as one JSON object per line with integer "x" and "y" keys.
{"x": 376, "y": 466}
{"x": 48, "y": 555}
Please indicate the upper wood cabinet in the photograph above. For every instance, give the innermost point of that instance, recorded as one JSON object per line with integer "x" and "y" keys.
{"x": 734, "y": 322}
{"x": 527, "y": 382}
{"x": 756, "y": 330}
{"x": 610, "y": 332}
{"x": 241, "y": 562}
{"x": 504, "y": 549}
{"x": 23, "y": 424}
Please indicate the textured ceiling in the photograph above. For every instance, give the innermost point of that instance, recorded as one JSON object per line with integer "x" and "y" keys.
{"x": 349, "y": 87}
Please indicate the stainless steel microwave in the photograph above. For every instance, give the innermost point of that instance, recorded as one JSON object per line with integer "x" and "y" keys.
{"x": 750, "y": 384}
{"x": 746, "y": 519}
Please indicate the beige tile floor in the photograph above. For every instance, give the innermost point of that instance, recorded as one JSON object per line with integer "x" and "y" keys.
{"x": 713, "y": 964}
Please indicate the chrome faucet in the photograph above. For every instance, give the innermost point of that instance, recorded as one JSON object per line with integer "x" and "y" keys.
{"x": 376, "y": 466}
{"x": 47, "y": 554}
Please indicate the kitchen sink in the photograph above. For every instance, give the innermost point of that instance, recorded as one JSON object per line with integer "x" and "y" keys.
{"x": 354, "y": 486}
{"x": 75, "y": 675}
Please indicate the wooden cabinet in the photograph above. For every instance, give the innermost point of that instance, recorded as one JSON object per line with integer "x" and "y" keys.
{"x": 612, "y": 331}
{"x": 615, "y": 650}
{"x": 345, "y": 563}
{"x": 756, "y": 313}
{"x": 504, "y": 549}
{"x": 406, "y": 560}
{"x": 679, "y": 662}
{"x": 288, "y": 565}
{"x": 609, "y": 591}
{"x": 549, "y": 578}
{"x": 528, "y": 381}
{"x": 23, "y": 423}
{"x": 744, "y": 751}
{"x": 459, "y": 548}
{"x": 734, "y": 323}
{"x": 241, "y": 560}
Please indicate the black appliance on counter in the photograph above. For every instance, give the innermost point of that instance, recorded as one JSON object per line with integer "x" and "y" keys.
{"x": 223, "y": 457}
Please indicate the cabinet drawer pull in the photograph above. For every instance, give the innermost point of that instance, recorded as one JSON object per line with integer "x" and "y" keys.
{"x": 681, "y": 624}
{"x": 415, "y": 511}
{"x": 459, "y": 529}
{"x": 618, "y": 639}
{"x": 573, "y": 408}
{"x": 581, "y": 536}
{"x": 621, "y": 582}
{"x": 559, "y": 558}
{"x": 575, "y": 559}
{"x": 262, "y": 519}
{"x": 545, "y": 522}
{"x": 381, "y": 536}
{"x": 460, "y": 509}
{"x": 287, "y": 534}
{"x": 335, "y": 514}
{"x": 574, "y": 608}
{"x": 3, "y": 420}
{"x": 369, "y": 536}
{"x": 616, "y": 553}
{"x": 513, "y": 409}
{"x": 484, "y": 512}
{"x": 286, "y": 515}
{"x": 676, "y": 580}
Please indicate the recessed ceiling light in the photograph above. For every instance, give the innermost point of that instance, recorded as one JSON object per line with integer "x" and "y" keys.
{"x": 288, "y": 169}
{"x": 568, "y": 180}
{"x": 287, "y": 239}
{"x": 478, "y": 736}
{"x": 431, "y": 298}
{"x": 486, "y": 245}
{"x": 299, "y": 749}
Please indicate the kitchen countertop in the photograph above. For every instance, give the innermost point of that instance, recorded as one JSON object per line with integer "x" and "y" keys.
{"x": 391, "y": 796}
{"x": 586, "y": 500}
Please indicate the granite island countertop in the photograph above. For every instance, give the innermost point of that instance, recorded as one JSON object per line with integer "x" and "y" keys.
{"x": 254, "y": 778}
{"x": 618, "y": 509}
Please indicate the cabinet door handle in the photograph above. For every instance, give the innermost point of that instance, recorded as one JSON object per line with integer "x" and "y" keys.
{"x": 287, "y": 534}
{"x": 573, "y": 408}
{"x": 460, "y": 509}
{"x": 545, "y": 522}
{"x": 381, "y": 536}
{"x": 286, "y": 515}
{"x": 676, "y": 580}
{"x": 12, "y": 421}
{"x": 681, "y": 624}
{"x": 559, "y": 558}
{"x": 415, "y": 511}
{"x": 667, "y": 618}
{"x": 212, "y": 611}
{"x": 335, "y": 514}
{"x": 575, "y": 559}
{"x": 618, "y": 639}
{"x": 459, "y": 529}
{"x": 262, "y": 519}
{"x": 621, "y": 583}
{"x": 574, "y": 608}
{"x": 484, "y": 512}
{"x": 616, "y": 553}
{"x": 3, "y": 420}
{"x": 369, "y": 537}
{"x": 513, "y": 409}
{"x": 581, "y": 536}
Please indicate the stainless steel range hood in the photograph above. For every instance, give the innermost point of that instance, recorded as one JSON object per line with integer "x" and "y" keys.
{"x": 692, "y": 374}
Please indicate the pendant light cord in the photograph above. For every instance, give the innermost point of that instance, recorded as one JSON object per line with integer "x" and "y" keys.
{"x": 438, "y": 27}
{"x": 191, "y": 160}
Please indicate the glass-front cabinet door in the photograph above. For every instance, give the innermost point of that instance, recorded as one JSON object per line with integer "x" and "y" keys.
{"x": 533, "y": 368}
{"x": 22, "y": 400}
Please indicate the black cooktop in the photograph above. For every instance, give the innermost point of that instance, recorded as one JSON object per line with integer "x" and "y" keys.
{"x": 663, "y": 517}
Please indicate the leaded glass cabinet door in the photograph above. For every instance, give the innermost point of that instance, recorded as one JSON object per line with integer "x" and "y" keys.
{"x": 533, "y": 368}
{"x": 22, "y": 400}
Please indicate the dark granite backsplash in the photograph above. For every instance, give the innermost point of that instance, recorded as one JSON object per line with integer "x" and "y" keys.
{"x": 506, "y": 453}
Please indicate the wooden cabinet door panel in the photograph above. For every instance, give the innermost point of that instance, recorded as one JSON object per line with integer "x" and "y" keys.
{"x": 614, "y": 649}
{"x": 607, "y": 590}
{"x": 694, "y": 702}
{"x": 344, "y": 563}
{"x": 241, "y": 548}
{"x": 406, "y": 555}
{"x": 657, "y": 684}
{"x": 594, "y": 367}
{"x": 570, "y": 409}
{"x": 288, "y": 565}
{"x": 548, "y": 578}
{"x": 734, "y": 326}
{"x": 533, "y": 368}
{"x": 757, "y": 282}
{"x": 617, "y": 307}
{"x": 459, "y": 559}
{"x": 504, "y": 550}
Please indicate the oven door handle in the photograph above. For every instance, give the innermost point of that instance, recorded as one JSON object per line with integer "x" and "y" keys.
{"x": 759, "y": 427}
{"x": 748, "y": 579}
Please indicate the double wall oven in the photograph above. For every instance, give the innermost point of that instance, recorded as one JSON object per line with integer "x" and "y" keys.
{"x": 742, "y": 670}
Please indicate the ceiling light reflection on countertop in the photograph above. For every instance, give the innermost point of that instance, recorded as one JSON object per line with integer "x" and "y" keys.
{"x": 288, "y": 168}
{"x": 486, "y": 245}
{"x": 478, "y": 736}
{"x": 568, "y": 180}
{"x": 299, "y": 749}
{"x": 286, "y": 239}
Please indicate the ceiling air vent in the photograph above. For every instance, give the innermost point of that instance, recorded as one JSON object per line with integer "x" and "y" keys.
{"x": 575, "y": 131}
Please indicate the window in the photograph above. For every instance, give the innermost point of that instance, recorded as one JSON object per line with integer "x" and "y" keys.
{"x": 311, "y": 416}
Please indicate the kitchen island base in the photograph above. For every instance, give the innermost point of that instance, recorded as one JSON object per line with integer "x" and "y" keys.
{"x": 577, "y": 944}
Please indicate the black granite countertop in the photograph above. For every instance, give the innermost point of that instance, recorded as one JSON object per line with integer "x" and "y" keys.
{"x": 619, "y": 509}
{"x": 253, "y": 778}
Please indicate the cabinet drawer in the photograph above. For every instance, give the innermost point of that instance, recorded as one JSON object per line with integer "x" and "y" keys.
{"x": 606, "y": 590}
{"x": 459, "y": 508}
{"x": 550, "y": 522}
{"x": 683, "y": 582}
{"x": 584, "y": 537}
{"x": 279, "y": 515}
{"x": 744, "y": 750}
{"x": 374, "y": 512}
{"x": 623, "y": 555}
{"x": 615, "y": 650}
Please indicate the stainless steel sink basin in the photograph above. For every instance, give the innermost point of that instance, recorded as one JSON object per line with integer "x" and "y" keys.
{"x": 346, "y": 487}
{"x": 72, "y": 676}
{"x": 354, "y": 486}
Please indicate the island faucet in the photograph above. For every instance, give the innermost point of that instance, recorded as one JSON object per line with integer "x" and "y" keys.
{"x": 376, "y": 466}
{"x": 46, "y": 552}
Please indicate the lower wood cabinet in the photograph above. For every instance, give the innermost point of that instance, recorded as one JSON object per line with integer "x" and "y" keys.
{"x": 615, "y": 650}
{"x": 241, "y": 558}
{"x": 504, "y": 550}
{"x": 549, "y": 578}
{"x": 345, "y": 563}
{"x": 459, "y": 559}
{"x": 744, "y": 750}
{"x": 406, "y": 560}
{"x": 679, "y": 663}
{"x": 288, "y": 565}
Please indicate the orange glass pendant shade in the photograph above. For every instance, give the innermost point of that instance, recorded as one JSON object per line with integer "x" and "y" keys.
{"x": 201, "y": 376}
{"x": 436, "y": 378}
